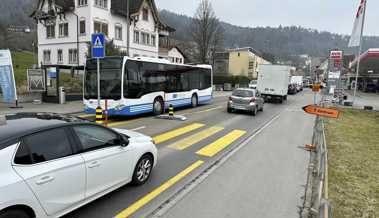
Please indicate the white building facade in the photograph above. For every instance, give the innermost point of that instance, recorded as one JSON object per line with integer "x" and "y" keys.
{"x": 65, "y": 28}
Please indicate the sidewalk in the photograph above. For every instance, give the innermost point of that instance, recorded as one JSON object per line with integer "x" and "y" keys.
{"x": 265, "y": 179}
{"x": 365, "y": 99}
{"x": 68, "y": 108}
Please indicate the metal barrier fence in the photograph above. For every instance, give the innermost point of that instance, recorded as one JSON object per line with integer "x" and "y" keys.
{"x": 321, "y": 207}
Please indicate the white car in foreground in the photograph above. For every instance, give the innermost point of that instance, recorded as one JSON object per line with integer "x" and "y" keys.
{"x": 51, "y": 165}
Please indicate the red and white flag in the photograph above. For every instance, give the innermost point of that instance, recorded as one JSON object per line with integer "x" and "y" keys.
{"x": 355, "y": 39}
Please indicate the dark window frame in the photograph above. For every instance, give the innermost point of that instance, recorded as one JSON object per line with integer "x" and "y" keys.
{"x": 22, "y": 142}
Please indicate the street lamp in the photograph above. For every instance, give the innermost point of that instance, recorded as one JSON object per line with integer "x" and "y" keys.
{"x": 77, "y": 35}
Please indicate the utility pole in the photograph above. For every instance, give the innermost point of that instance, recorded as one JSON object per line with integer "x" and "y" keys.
{"x": 77, "y": 38}
{"x": 127, "y": 27}
{"x": 359, "y": 53}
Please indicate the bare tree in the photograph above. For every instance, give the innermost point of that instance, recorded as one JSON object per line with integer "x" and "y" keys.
{"x": 204, "y": 31}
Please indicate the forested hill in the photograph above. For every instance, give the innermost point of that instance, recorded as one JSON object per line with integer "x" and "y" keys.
{"x": 281, "y": 41}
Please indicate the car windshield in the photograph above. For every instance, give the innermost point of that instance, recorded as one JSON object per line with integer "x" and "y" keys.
{"x": 243, "y": 93}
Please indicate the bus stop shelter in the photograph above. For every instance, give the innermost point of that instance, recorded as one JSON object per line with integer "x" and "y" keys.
{"x": 368, "y": 70}
{"x": 63, "y": 77}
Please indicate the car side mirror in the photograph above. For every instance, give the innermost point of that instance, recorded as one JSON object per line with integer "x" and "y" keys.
{"x": 124, "y": 141}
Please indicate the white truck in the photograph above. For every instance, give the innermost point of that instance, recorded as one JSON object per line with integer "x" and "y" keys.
{"x": 298, "y": 81}
{"x": 273, "y": 81}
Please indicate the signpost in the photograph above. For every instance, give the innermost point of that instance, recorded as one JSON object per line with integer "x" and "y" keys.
{"x": 335, "y": 71}
{"x": 98, "y": 52}
{"x": 321, "y": 111}
{"x": 36, "y": 80}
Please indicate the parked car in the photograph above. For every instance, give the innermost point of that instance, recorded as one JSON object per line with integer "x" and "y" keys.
{"x": 292, "y": 89}
{"x": 371, "y": 88}
{"x": 249, "y": 100}
{"x": 52, "y": 164}
{"x": 253, "y": 84}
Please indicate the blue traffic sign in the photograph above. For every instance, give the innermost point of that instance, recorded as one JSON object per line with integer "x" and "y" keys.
{"x": 98, "y": 45}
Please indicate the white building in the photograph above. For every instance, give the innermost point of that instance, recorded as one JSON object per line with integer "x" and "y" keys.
{"x": 172, "y": 53}
{"x": 65, "y": 28}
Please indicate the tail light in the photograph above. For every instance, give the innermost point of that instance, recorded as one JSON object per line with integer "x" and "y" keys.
{"x": 252, "y": 100}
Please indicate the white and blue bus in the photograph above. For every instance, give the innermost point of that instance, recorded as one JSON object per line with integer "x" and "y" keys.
{"x": 134, "y": 86}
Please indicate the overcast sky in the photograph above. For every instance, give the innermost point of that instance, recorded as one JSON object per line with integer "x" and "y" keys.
{"x": 336, "y": 16}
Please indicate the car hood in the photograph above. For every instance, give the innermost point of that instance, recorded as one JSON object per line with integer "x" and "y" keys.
{"x": 134, "y": 136}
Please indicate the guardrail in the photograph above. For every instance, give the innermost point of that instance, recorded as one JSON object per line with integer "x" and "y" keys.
{"x": 320, "y": 206}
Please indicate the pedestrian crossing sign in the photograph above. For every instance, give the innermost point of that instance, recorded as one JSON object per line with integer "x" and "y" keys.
{"x": 98, "y": 45}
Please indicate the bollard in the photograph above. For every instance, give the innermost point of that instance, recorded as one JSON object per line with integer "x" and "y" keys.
{"x": 171, "y": 110}
{"x": 99, "y": 115}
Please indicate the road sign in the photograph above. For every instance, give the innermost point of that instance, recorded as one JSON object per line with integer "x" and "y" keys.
{"x": 321, "y": 111}
{"x": 98, "y": 45}
{"x": 36, "y": 80}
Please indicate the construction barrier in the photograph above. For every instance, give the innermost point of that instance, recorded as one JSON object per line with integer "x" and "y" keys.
{"x": 99, "y": 115}
{"x": 171, "y": 110}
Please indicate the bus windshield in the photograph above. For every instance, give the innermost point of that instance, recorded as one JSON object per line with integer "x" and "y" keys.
{"x": 110, "y": 79}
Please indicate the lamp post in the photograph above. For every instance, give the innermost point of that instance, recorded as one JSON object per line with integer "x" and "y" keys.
{"x": 77, "y": 36}
{"x": 127, "y": 27}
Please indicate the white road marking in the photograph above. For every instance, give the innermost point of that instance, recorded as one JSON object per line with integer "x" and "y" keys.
{"x": 203, "y": 111}
{"x": 139, "y": 128}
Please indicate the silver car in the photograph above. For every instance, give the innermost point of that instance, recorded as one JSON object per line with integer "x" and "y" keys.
{"x": 246, "y": 100}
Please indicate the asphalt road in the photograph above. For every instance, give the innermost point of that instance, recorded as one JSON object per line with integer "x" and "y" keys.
{"x": 186, "y": 149}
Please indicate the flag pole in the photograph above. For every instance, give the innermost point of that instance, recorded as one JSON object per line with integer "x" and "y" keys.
{"x": 359, "y": 53}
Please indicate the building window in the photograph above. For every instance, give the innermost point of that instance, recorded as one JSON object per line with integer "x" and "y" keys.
{"x": 50, "y": 31}
{"x": 153, "y": 40}
{"x": 101, "y": 3}
{"x": 145, "y": 14}
{"x": 145, "y": 38}
{"x": 136, "y": 37}
{"x": 82, "y": 27}
{"x": 82, "y": 2}
{"x": 47, "y": 56}
{"x": 63, "y": 30}
{"x": 100, "y": 27}
{"x": 73, "y": 56}
{"x": 60, "y": 56}
{"x": 118, "y": 32}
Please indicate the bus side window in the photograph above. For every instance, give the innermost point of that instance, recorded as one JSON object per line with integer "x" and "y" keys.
{"x": 132, "y": 80}
{"x": 194, "y": 81}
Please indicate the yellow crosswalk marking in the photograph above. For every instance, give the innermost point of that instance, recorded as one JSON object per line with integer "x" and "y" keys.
{"x": 149, "y": 197}
{"x": 175, "y": 133}
{"x": 218, "y": 145}
{"x": 187, "y": 142}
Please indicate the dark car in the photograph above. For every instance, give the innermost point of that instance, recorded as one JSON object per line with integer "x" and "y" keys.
{"x": 371, "y": 88}
{"x": 292, "y": 89}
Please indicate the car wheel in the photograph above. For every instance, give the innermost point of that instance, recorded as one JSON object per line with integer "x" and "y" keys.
{"x": 194, "y": 100}
{"x": 262, "y": 107}
{"x": 142, "y": 171}
{"x": 14, "y": 214}
{"x": 281, "y": 100}
{"x": 255, "y": 111}
{"x": 158, "y": 106}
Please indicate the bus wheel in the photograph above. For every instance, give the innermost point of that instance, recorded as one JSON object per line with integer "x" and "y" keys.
{"x": 158, "y": 106}
{"x": 194, "y": 100}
